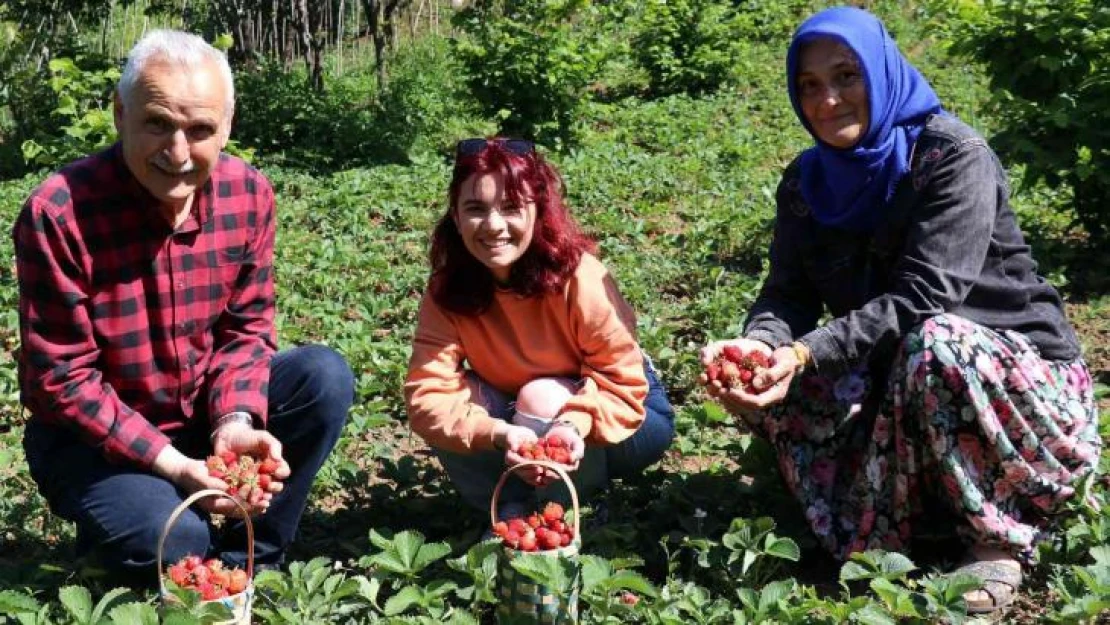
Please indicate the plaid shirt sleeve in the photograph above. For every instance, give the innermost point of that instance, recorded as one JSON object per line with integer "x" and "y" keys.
{"x": 244, "y": 342}
{"x": 60, "y": 379}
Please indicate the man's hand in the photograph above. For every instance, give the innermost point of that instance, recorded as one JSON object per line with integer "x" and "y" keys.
{"x": 192, "y": 475}
{"x": 244, "y": 439}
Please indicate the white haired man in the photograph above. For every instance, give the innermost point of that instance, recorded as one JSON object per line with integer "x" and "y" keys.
{"x": 146, "y": 322}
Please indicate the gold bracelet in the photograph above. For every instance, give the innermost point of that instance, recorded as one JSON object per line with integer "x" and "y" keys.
{"x": 802, "y": 354}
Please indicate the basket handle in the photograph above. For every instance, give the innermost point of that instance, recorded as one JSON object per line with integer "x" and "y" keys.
{"x": 547, "y": 465}
{"x": 184, "y": 505}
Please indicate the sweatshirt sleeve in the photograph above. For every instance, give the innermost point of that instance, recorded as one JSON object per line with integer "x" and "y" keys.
{"x": 609, "y": 406}
{"x": 439, "y": 401}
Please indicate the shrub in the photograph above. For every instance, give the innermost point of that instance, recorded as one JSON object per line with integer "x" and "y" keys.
{"x": 62, "y": 112}
{"x": 278, "y": 113}
{"x": 529, "y": 62}
{"x": 1051, "y": 80}
{"x": 425, "y": 106}
{"x": 687, "y": 45}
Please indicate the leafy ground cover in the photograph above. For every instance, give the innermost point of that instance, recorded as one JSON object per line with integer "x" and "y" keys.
{"x": 677, "y": 191}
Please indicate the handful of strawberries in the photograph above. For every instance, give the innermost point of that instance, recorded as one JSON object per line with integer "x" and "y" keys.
{"x": 735, "y": 368}
{"x": 247, "y": 477}
{"x": 541, "y": 531}
{"x": 208, "y": 577}
{"x": 551, "y": 449}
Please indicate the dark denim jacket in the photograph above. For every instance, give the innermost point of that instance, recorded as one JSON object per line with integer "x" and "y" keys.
{"x": 949, "y": 244}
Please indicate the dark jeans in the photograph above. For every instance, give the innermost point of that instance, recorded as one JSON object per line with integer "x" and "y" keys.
{"x": 120, "y": 510}
{"x": 475, "y": 474}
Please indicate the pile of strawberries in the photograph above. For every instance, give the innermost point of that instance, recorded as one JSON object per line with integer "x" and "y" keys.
{"x": 208, "y": 577}
{"x": 538, "y": 531}
{"x": 735, "y": 368}
{"x": 552, "y": 449}
{"x": 247, "y": 477}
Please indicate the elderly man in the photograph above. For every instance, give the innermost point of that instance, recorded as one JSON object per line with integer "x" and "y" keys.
{"x": 146, "y": 320}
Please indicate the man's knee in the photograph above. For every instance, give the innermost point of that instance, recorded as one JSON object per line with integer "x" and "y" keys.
{"x": 328, "y": 383}
{"x": 135, "y": 547}
{"x": 544, "y": 397}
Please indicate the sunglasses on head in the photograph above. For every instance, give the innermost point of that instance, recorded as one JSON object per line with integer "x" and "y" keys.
{"x": 470, "y": 147}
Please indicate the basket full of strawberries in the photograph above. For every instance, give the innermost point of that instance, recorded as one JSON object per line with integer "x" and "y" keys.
{"x": 551, "y": 532}
{"x": 211, "y": 579}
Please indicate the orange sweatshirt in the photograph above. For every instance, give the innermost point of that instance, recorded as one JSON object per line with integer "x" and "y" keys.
{"x": 587, "y": 331}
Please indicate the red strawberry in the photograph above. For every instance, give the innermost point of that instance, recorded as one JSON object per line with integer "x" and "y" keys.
{"x": 179, "y": 574}
{"x": 730, "y": 374}
{"x": 500, "y": 528}
{"x": 746, "y": 375}
{"x": 713, "y": 371}
{"x": 268, "y": 466}
{"x": 264, "y": 481}
{"x": 229, "y": 456}
{"x": 535, "y": 520}
{"x": 566, "y": 538}
{"x": 528, "y": 542}
{"x": 238, "y": 581}
{"x": 552, "y": 512}
{"x": 629, "y": 598}
{"x": 550, "y": 540}
{"x": 733, "y": 353}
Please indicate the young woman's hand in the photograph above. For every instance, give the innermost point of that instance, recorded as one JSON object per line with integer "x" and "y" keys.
{"x": 511, "y": 438}
{"x": 571, "y": 440}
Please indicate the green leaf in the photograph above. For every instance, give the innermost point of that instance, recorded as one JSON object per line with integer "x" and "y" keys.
{"x": 106, "y": 603}
{"x": 403, "y": 600}
{"x": 134, "y": 613}
{"x": 555, "y": 572}
{"x": 13, "y": 602}
{"x": 1101, "y": 554}
{"x": 775, "y": 592}
{"x": 784, "y": 548}
{"x": 77, "y": 601}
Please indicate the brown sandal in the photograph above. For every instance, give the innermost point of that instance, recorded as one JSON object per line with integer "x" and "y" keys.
{"x": 1000, "y": 581}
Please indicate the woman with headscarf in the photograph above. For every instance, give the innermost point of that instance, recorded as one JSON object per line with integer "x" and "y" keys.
{"x": 946, "y": 370}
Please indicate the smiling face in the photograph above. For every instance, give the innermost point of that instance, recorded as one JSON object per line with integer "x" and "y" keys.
{"x": 172, "y": 127}
{"x": 495, "y": 229}
{"x": 832, "y": 92}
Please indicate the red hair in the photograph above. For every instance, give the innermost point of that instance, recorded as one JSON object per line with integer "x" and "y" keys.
{"x": 462, "y": 284}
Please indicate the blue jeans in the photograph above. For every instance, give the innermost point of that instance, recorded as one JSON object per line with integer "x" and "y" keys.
{"x": 475, "y": 474}
{"x": 120, "y": 510}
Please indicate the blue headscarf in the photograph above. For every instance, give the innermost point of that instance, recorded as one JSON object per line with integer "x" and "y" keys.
{"x": 850, "y": 187}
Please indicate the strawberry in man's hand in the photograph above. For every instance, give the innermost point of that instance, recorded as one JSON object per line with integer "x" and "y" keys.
{"x": 247, "y": 477}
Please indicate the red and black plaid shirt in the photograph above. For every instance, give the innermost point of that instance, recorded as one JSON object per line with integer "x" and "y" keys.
{"x": 130, "y": 328}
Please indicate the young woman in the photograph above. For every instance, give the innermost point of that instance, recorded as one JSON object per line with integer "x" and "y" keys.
{"x": 522, "y": 335}
{"x": 947, "y": 367}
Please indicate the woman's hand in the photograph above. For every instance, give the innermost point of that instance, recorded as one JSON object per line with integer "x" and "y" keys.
{"x": 770, "y": 385}
{"x": 511, "y": 438}
{"x": 571, "y": 440}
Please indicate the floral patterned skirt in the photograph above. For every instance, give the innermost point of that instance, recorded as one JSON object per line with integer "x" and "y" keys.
{"x": 973, "y": 417}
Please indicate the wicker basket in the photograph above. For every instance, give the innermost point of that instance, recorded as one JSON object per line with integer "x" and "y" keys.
{"x": 239, "y": 604}
{"x": 522, "y": 600}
